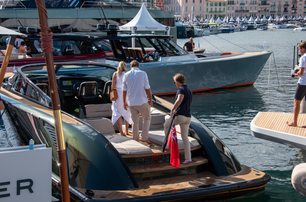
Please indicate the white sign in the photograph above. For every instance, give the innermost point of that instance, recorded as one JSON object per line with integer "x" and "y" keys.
{"x": 25, "y": 175}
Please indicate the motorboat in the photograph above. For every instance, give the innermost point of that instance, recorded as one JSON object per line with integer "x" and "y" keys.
{"x": 226, "y": 28}
{"x": 102, "y": 164}
{"x": 300, "y": 29}
{"x": 66, "y": 47}
{"x": 159, "y": 56}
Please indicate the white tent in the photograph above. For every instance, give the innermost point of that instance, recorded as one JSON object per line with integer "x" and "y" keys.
{"x": 251, "y": 19}
{"x": 143, "y": 21}
{"x": 218, "y": 21}
{"x": 238, "y": 19}
{"x": 212, "y": 20}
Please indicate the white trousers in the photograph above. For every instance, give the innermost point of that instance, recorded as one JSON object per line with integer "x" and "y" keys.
{"x": 184, "y": 123}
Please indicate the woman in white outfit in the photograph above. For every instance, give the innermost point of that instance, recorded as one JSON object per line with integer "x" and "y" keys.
{"x": 117, "y": 105}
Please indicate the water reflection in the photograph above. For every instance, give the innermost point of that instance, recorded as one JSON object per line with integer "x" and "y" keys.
{"x": 233, "y": 103}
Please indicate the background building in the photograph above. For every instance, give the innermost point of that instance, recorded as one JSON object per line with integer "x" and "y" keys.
{"x": 188, "y": 9}
{"x": 216, "y": 8}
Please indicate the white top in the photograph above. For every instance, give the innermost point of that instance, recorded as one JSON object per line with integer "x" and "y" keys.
{"x": 135, "y": 82}
{"x": 302, "y": 64}
{"x": 119, "y": 81}
{"x": 117, "y": 106}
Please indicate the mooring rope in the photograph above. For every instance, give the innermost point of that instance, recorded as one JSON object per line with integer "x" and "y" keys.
{"x": 211, "y": 44}
{"x": 216, "y": 35}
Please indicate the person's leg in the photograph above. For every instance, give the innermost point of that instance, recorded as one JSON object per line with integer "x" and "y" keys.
{"x": 135, "y": 119}
{"x": 119, "y": 125}
{"x": 184, "y": 123}
{"x": 126, "y": 128}
{"x": 299, "y": 95}
{"x": 296, "y": 111}
{"x": 146, "y": 117}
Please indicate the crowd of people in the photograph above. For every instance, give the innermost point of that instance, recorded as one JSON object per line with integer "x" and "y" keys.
{"x": 133, "y": 98}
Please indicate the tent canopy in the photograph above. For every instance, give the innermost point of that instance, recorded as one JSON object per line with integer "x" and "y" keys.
{"x": 143, "y": 21}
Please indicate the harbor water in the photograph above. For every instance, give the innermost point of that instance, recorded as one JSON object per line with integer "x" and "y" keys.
{"x": 229, "y": 112}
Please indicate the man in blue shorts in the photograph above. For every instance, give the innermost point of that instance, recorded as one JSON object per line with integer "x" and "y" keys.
{"x": 301, "y": 88}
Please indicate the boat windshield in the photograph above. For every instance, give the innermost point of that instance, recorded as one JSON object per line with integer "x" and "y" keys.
{"x": 144, "y": 48}
{"x": 164, "y": 46}
{"x": 82, "y": 70}
{"x": 102, "y": 44}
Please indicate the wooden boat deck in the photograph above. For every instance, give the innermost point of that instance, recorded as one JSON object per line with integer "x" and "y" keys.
{"x": 182, "y": 183}
{"x": 273, "y": 126}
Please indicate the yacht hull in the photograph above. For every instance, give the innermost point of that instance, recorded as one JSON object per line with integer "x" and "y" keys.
{"x": 205, "y": 74}
{"x": 105, "y": 166}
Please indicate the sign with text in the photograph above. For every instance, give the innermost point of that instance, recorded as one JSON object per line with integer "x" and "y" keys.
{"x": 25, "y": 175}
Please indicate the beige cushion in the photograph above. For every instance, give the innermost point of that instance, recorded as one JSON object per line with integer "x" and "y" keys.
{"x": 125, "y": 145}
{"x": 157, "y": 137}
{"x": 103, "y": 125}
{"x": 98, "y": 110}
{"x": 157, "y": 121}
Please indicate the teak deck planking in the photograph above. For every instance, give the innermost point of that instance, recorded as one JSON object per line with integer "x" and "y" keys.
{"x": 277, "y": 121}
{"x": 175, "y": 184}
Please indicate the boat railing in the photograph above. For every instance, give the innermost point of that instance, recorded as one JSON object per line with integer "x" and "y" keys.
{"x": 11, "y": 4}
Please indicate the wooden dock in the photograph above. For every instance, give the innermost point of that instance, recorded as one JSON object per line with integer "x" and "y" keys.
{"x": 273, "y": 126}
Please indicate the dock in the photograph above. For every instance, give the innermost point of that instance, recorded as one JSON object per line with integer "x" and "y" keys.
{"x": 273, "y": 126}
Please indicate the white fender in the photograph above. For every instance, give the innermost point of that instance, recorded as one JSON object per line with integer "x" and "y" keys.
{"x": 298, "y": 178}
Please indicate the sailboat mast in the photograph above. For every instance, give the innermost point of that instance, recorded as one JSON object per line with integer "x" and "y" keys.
{"x": 47, "y": 46}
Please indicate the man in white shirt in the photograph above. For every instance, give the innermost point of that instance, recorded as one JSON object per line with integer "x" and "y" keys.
{"x": 137, "y": 96}
{"x": 301, "y": 88}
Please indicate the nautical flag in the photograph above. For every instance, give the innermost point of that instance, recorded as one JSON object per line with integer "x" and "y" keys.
{"x": 173, "y": 148}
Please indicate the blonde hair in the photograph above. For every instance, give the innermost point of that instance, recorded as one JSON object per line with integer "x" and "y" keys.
{"x": 121, "y": 67}
{"x": 179, "y": 78}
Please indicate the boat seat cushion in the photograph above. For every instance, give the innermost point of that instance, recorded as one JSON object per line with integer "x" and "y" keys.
{"x": 157, "y": 121}
{"x": 123, "y": 145}
{"x": 157, "y": 137}
{"x": 98, "y": 110}
{"x": 103, "y": 125}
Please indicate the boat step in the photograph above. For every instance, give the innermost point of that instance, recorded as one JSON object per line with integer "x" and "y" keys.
{"x": 159, "y": 167}
{"x": 157, "y": 157}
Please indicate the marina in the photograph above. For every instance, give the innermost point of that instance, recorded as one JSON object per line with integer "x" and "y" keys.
{"x": 226, "y": 116}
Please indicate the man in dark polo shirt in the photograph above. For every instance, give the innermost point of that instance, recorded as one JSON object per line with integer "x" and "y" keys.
{"x": 189, "y": 45}
{"x": 181, "y": 110}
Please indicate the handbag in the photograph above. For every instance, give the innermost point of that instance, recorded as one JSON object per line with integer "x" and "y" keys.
{"x": 113, "y": 96}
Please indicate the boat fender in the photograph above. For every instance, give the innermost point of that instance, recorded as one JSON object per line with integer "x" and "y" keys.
{"x": 298, "y": 178}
